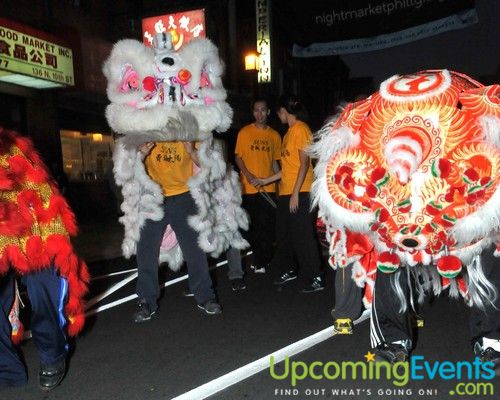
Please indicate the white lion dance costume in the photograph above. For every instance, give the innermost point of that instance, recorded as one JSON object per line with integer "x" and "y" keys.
{"x": 415, "y": 168}
{"x": 158, "y": 94}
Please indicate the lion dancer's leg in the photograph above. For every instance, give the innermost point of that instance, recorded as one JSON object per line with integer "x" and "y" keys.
{"x": 348, "y": 300}
{"x": 48, "y": 293}
{"x": 485, "y": 324}
{"x": 12, "y": 371}
{"x": 390, "y": 324}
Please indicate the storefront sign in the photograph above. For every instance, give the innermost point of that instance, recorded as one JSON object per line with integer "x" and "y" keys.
{"x": 27, "y": 54}
{"x": 183, "y": 26}
{"x": 263, "y": 20}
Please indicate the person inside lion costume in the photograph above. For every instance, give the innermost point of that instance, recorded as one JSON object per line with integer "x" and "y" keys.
{"x": 414, "y": 169}
{"x": 165, "y": 105}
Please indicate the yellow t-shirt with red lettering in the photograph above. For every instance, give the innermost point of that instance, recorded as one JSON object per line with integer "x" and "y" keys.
{"x": 171, "y": 166}
{"x": 298, "y": 137}
{"x": 258, "y": 148}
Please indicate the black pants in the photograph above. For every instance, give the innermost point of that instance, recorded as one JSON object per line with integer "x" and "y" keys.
{"x": 487, "y": 324}
{"x": 348, "y": 295}
{"x": 234, "y": 267}
{"x": 262, "y": 225}
{"x": 47, "y": 292}
{"x": 388, "y": 324}
{"x": 176, "y": 209}
{"x": 297, "y": 246}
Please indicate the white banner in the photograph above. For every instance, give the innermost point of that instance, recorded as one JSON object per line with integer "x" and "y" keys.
{"x": 450, "y": 23}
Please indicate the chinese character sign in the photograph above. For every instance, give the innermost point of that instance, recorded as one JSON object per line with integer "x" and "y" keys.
{"x": 183, "y": 26}
{"x": 262, "y": 11}
{"x": 30, "y": 55}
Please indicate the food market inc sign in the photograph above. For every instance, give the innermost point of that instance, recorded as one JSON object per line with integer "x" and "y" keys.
{"x": 34, "y": 56}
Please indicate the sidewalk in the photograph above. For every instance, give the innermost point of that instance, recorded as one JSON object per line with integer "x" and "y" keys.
{"x": 99, "y": 240}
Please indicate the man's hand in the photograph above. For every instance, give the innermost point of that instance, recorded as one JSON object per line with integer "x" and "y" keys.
{"x": 190, "y": 147}
{"x": 294, "y": 202}
{"x": 252, "y": 179}
{"x": 145, "y": 148}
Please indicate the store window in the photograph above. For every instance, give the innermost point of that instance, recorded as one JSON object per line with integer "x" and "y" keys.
{"x": 87, "y": 156}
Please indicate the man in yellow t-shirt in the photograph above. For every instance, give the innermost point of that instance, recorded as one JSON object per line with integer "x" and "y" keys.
{"x": 256, "y": 154}
{"x": 170, "y": 165}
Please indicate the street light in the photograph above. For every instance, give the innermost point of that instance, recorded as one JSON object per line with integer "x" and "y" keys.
{"x": 252, "y": 61}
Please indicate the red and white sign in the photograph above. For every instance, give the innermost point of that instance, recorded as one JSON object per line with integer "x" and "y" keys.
{"x": 183, "y": 26}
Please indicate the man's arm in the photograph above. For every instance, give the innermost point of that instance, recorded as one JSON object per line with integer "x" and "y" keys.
{"x": 276, "y": 166}
{"x": 146, "y": 148}
{"x": 192, "y": 151}
{"x": 301, "y": 176}
{"x": 273, "y": 178}
{"x": 243, "y": 168}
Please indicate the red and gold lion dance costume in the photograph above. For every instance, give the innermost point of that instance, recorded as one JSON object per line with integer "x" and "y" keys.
{"x": 412, "y": 174}
{"x": 35, "y": 225}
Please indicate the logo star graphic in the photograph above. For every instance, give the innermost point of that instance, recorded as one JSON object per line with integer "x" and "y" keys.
{"x": 370, "y": 356}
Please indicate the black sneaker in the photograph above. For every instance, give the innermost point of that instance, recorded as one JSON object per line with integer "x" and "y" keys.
{"x": 187, "y": 292}
{"x": 238, "y": 284}
{"x": 316, "y": 285}
{"x": 51, "y": 375}
{"x": 143, "y": 312}
{"x": 488, "y": 354}
{"x": 391, "y": 353}
{"x": 211, "y": 307}
{"x": 285, "y": 277}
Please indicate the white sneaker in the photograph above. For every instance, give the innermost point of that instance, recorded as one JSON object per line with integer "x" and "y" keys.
{"x": 261, "y": 270}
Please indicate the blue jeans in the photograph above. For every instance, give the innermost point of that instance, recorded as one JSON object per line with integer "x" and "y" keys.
{"x": 47, "y": 292}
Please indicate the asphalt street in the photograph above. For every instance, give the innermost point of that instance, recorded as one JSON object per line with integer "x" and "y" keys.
{"x": 184, "y": 349}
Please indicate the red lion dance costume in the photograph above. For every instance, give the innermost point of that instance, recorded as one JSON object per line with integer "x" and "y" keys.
{"x": 35, "y": 225}
{"x": 415, "y": 168}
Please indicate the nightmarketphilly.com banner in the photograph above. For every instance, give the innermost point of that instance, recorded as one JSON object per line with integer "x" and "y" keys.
{"x": 355, "y": 26}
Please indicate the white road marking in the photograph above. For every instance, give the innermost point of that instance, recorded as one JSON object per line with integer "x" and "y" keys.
{"x": 231, "y": 378}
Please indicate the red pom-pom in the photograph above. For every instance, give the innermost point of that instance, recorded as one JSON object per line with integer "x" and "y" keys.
{"x": 449, "y": 266}
{"x": 149, "y": 83}
{"x": 388, "y": 262}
